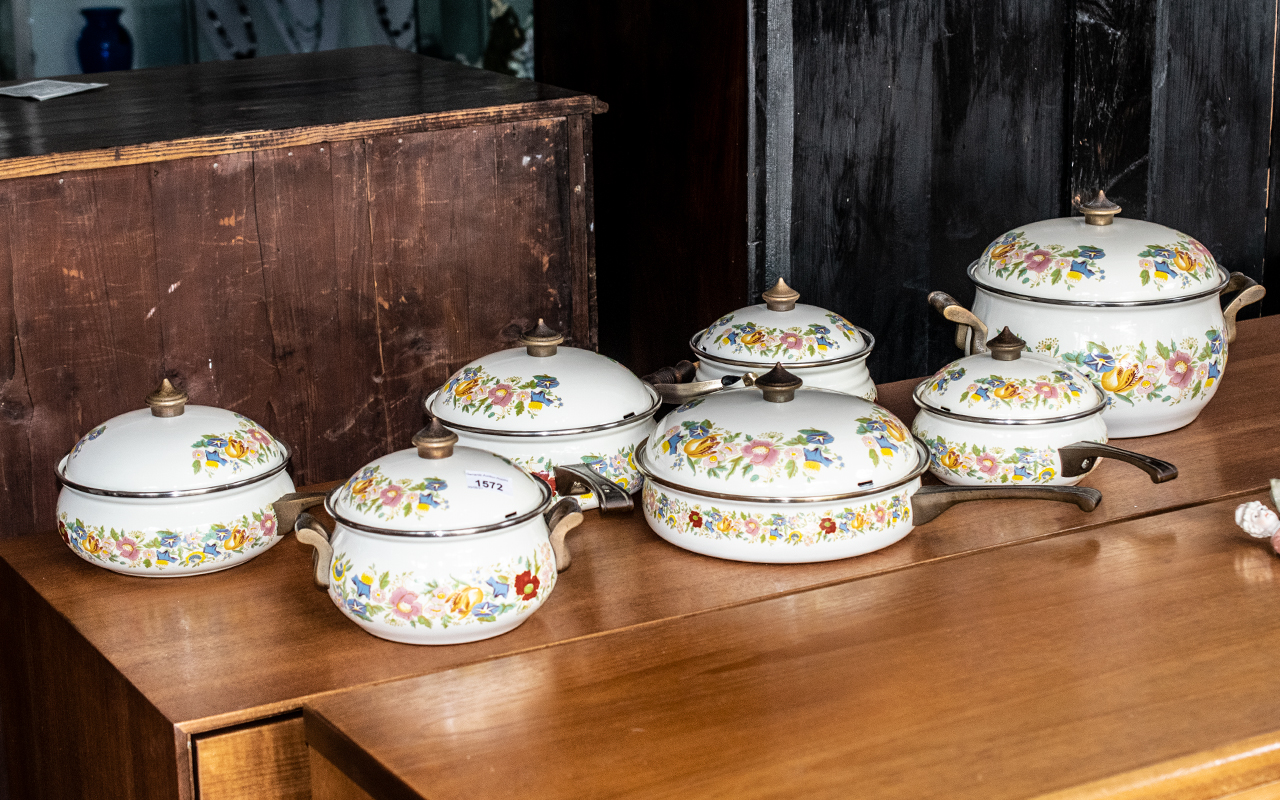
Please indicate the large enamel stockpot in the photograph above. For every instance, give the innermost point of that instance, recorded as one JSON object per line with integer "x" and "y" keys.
{"x": 783, "y": 474}
{"x": 821, "y": 347}
{"x": 175, "y": 490}
{"x": 1002, "y": 417}
{"x": 545, "y": 405}
{"x": 440, "y": 544}
{"x": 1133, "y": 303}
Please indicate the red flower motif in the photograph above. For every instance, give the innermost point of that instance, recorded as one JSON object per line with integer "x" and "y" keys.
{"x": 695, "y": 519}
{"x": 827, "y": 525}
{"x": 527, "y": 585}
{"x": 62, "y": 531}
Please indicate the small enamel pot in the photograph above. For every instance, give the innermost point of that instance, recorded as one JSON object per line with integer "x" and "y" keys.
{"x": 176, "y": 490}
{"x": 1004, "y": 417}
{"x": 440, "y": 544}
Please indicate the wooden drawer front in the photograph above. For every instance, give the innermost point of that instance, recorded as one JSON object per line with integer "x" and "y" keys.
{"x": 330, "y": 783}
{"x": 264, "y": 762}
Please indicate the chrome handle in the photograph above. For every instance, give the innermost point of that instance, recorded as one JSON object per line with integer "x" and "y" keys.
{"x": 579, "y": 479}
{"x": 1250, "y": 292}
{"x": 965, "y": 319}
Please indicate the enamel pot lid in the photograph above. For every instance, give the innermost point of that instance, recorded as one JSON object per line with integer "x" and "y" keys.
{"x": 542, "y": 387}
{"x": 172, "y": 449}
{"x": 438, "y": 489}
{"x": 1008, "y": 385}
{"x": 781, "y": 330}
{"x": 1098, "y": 259}
{"x": 780, "y": 441}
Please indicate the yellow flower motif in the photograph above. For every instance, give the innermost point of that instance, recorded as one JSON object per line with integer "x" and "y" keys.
{"x": 462, "y": 601}
{"x": 236, "y": 449}
{"x": 1120, "y": 379}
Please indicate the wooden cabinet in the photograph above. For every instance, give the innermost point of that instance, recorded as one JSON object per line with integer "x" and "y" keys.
{"x": 267, "y": 760}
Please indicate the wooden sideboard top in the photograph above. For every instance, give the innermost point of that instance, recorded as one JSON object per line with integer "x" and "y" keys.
{"x": 218, "y": 107}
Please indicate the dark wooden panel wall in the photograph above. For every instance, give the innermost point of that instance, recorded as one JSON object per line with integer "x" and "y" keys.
{"x": 321, "y": 290}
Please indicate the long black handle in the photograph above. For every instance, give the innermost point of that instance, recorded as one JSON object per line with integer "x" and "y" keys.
{"x": 1079, "y": 458}
{"x": 682, "y": 372}
{"x": 930, "y": 501}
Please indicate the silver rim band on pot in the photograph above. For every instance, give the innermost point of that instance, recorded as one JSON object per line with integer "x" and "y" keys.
{"x": 655, "y": 402}
{"x": 1223, "y": 278}
{"x": 869, "y": 342}
{"x": 60, "y": 471}
{"x": 547, "y": 497}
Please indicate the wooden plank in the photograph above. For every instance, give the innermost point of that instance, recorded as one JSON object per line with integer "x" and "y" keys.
{"x": 16, "y": 407}
{"x": 267, "y": 761}
{"x": 581, "y": 227}
{"x": 1005, "y": 674}
{"x": 329, "y": 783}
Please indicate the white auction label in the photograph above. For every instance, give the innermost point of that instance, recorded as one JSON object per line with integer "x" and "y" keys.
{"x": 483, "y": 480}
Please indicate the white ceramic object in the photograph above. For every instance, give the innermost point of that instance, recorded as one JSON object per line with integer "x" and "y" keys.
{"x": 440, "y": 544}
{"x": 1005, "y": 417}
{"x": 1132, "y": 303}
{"x": 544, "y": 404}
{"x": 823, "y": 348}
{"x": 174, "y": 490}
{"x": 781, "y": 474}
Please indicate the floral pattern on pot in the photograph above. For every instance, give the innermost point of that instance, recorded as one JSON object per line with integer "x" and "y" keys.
{"x": 618, "y": 468}
{"x": 371, "y": 492}
{"x": 244, "y": 447}
{"x": 799, "y": 528}
{"x": 1052, "y": 392}
{"x": 475, "y": 391}
{"x": 88, "y": 437}
{"x": 704, "y": 448}
{"x": 409, "y": 600}
{"x": 169, "y": 549}
{"x": 995, "y": 464}
{"x": 884, "y": 436}
{"x": 945, "y": 377}
{"x": 1014, "y": 257}
{"x": 1170, "y": 372}
{"x": 785, "y": 344}
{"x": 1176, "y": 264}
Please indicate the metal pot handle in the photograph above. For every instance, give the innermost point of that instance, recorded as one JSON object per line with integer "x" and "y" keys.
{"x": 930, "y": 501}
{"x": 682, "y": 372}
{"x": 288, "y": 508}
{"x": 678, "y": 393}
{"x": 1250, "y": 292}
{"x": 562, "y": 518}
{"x": 965, "y": 320}
{"x": 309, "y": 531}
{"x": 1079, "y": 458}
{"x": 609, "y": 495}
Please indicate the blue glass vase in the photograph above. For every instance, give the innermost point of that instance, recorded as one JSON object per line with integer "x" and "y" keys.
{"x": 104, "y": 44}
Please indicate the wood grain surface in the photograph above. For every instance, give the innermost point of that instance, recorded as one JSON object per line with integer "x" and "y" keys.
{"x": 271, "y": 758}
{"x": 1004, "y": 674}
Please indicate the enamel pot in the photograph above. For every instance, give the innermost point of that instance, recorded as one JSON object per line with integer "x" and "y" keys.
{"x": 823, "y": 348}
{"x": 1004, "y": 417}
{"x": 544, "y": 405}
{"x": 176, "y": 490}
{"x": 783, "y": 474}
{"x": 440, "y": 544}
{"x": 1134, "y": 304}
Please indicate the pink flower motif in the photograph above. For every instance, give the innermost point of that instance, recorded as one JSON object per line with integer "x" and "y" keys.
{"x": 988, "y": 464}
{"x": 1046, "y": 390}
{"x": 792, "y": 341}
{"x": 752, "y": 527}
{"x": 500, "y": 395}
{"x": 269, "y": 525}
{"x": 760, "y": 452}
{"x": 404, "y": 603}
{"x": 198, "y": 454}
{"x": 128, "y": 548}
{"x": 392, "y": 495}
{"x": 260, "y": 436}
{"x": 880, "y": 514}
{"x": 1038, "y": 260}
{"x": 1179, "y": 370}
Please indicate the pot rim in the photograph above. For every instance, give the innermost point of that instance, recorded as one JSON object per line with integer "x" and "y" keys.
{"x": 869, "y": 342}
{"x": 655, "y": 402}
{"x": 60, "y": 472}
{"x": 547, "y": 497}
{"x": 1223, "y": 278}
{"x": 1089, "y": 412}
{"x": 922, "y": 466}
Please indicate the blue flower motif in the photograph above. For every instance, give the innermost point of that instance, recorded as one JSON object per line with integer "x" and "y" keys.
{"x": 485, "y": 609}
{"x": 1162, "y": 252}
{"x": 1100, "y": 362}
{"x": 169, "y": 540}
{"x": 1091, "y": 252}
{"x": 875, "y": 426}
{"x": 435, "y": 485}
{"x": 1215, "y": 342}
{"x": 546, "y": 381}
{"x": 357, "y": 607}
{"x": 1081, "y": 268}
{"x": 697, "y": 430}
{"x": 813, "y": 456}
{"x": 813, "y": 436}
{"x": 499, "y": 588}
{"x": 1009, "y": 238}
{"x": 819, "y": 329}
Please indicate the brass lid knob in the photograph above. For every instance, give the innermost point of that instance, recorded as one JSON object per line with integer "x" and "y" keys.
{"x": 541, "y": 341}
{"x": 435, "y": 440}
{"x": 778, "y": 385}
{"x": 167, "y": 401}
{"x": 781, "y": 297}
{"x": 1006, "y": 346}
{"x": 1099, "y": 210}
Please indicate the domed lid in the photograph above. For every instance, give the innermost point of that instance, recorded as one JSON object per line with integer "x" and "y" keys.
{"x": 542, "y": 386}
{"x": 781, "y": 330}
{"x": 1098, "y": 258}
{"x": 171, "y": 448}
{"x": 438, "y": 488}
{"x": 1007, "y": 385}
{"x": 780, "y": 440}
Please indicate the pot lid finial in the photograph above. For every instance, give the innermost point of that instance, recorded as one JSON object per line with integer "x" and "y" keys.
{"x": 167, "y": 401}
{"x": 1099, "y": 210}
{"x": 435, "y": 441}
{"x": 542, "y": 340}
{"x": 781, "y": 297}
{"x": 1006, "y": 346}
{"x": 778, "y": 385}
